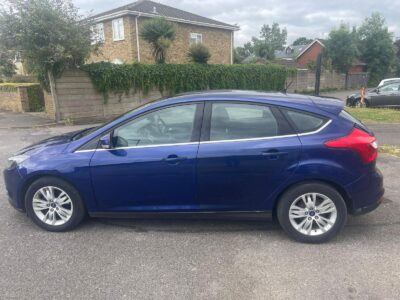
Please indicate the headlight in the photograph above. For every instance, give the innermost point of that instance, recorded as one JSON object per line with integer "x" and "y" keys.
{"x": 16, "y": 160}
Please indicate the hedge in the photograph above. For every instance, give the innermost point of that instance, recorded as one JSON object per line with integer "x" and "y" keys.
{"x": 176, "y": 78}
{"x": 34, "y": 91}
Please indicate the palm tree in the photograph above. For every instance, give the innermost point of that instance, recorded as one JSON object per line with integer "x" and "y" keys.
{"x": 160, "y": 34}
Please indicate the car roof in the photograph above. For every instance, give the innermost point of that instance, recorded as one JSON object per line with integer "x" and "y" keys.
{"x": 388, "y": 81}
{"x": 296, "y": 101}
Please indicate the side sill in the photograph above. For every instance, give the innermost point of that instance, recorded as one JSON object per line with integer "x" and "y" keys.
{"x": 245, "y": 215}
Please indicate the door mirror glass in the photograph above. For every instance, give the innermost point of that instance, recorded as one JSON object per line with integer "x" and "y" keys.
{"x": 105, "y": 141}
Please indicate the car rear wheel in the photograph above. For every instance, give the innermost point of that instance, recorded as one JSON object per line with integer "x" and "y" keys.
{"x": 312, "y": 212}
{"x": 54, "y": 204}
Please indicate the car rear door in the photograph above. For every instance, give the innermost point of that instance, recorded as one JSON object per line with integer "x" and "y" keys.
{"x": 247, "y": 152}
{"x": 152, "y": 164}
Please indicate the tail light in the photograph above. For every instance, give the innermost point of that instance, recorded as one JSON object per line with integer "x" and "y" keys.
{"x": 359, "y": 141}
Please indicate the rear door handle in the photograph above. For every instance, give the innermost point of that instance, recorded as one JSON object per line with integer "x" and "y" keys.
{"x": 174, "y": 159}
{"x": 273, "y": 154}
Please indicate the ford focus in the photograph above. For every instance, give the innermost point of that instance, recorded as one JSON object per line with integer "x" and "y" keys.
{"x": 301, "y": 159}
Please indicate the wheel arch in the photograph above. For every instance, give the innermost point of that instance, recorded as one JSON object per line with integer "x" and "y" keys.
{"x": 28, "y": 182}
{"x": 330, "y": 183}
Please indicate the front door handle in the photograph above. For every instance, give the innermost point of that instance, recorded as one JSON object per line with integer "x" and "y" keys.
{"x": 273, "y": 154}
{"x": 174, "y": 159}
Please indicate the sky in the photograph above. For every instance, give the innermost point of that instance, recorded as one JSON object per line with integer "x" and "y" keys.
{"x": 310, "y": 18}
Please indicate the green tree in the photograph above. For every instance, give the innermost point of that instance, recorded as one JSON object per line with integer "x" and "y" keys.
{"x": 396, "y": 64}
{"x": 376, "y": 47}
{"x": 7, "y": 66}
{"x": 302, "y": 41}
{"x": 272, "y": 38}
{"x": 199, "y": 53}
{"x": 160, "y": 34}
{"x": 341, "y": 48}
{"x": 243, "y": 52}
{"x": 50, "y": 35}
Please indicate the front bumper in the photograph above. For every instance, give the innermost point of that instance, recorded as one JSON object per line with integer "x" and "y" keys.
{"x": 366, "y": 193}
{"x": 14, "y": 186}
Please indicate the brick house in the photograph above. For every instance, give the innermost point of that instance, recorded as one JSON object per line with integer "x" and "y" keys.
{"x": 300, "y": 55}
{"x": 119, "y": 29}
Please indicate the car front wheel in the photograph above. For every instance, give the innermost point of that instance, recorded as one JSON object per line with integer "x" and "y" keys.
{"x": 312, "y": 212}
{"x": 54, "y": 204}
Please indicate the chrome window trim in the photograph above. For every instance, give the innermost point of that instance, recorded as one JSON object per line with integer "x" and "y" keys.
{"x": 139, "y": 147}
{"x": 213, "y": 142}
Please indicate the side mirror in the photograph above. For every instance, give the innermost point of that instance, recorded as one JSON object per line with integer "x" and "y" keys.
{"x": 377, "y": 91}
{"x": 105, "y": 141}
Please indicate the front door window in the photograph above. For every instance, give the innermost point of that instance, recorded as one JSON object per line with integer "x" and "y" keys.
{"x": 172, "y": 125}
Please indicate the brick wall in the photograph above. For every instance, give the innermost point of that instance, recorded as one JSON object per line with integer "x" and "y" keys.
{"x": 217, "y": 40}
{"x": 124, "y": 50}
{"x": 305, "y": 81}
{"x": 79, "y": 102}
{"x": 14, "y": 100}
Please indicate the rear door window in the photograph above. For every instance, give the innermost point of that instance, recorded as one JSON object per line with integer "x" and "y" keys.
{"x": 233, "y": 121}
{"x": 305, "y": 122}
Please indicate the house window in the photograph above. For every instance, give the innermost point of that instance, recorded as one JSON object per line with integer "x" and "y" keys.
{"x": 118, "y": 29}
{"x": 196, "y": 38}
{"x": 97, "y": 33}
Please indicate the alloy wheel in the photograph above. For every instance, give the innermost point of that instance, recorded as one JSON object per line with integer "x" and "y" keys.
{"x": 312, "y": 214}
{"x": 52, "y": 205}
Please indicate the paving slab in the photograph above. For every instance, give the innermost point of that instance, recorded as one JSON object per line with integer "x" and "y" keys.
{"x": 10, "y": 119}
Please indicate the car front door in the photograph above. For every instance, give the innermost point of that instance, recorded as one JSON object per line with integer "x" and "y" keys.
{"x": 387, "y": 95}
{"x": 247, "y": 152}
{"x": 151, "y": 166}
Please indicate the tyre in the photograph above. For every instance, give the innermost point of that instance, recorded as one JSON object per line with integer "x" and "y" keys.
{"x": 312, "y": 212}
{"x": 54, "y": 204}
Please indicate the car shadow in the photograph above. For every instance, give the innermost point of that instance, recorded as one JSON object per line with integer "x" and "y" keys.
{"x": 189, "y": 226}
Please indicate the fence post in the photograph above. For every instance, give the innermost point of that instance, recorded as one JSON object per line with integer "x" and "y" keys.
{"x": 53, "y": 91}
{"x": 318, "y": 75}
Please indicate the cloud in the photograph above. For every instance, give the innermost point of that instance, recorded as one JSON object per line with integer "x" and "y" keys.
{"x": 310, "y": 18}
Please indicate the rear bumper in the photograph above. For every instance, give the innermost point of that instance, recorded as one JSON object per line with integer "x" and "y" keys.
{"x": 366, "y": 194}
{"x": 367, "y": 209}
{"x": 13, "y": 183}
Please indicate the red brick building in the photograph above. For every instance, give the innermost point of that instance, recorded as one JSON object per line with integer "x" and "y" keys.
{"x": 300, "y": 55}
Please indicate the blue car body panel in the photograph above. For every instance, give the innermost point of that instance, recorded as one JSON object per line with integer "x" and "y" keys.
{"x": 211, "y": 176}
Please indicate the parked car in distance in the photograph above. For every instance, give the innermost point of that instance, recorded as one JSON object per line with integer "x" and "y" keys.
{"x": 300, "y": 158}
{"x": 388, "y": 81}
{"x": 384, "y": 96}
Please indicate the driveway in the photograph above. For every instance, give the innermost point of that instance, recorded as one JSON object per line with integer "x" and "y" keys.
{"x": 188, "y": 259}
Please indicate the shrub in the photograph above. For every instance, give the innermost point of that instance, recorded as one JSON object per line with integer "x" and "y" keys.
{"x": 174, "y": 79}
{"x": 199, "y": 53}
{"x": 159, "y": 33}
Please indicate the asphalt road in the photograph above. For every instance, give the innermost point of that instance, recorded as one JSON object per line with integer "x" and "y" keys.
{"x": 154, "y": 259}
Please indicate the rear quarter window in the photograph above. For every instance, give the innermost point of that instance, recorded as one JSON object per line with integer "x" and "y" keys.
{"x": 303, "y": 121}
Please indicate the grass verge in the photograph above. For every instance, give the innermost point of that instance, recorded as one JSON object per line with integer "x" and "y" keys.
{"x": 392, "y": 150}
{"x": 375, "y": 115}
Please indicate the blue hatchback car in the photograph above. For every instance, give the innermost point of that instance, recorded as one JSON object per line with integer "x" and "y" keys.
{"x": 303, "y": 159}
